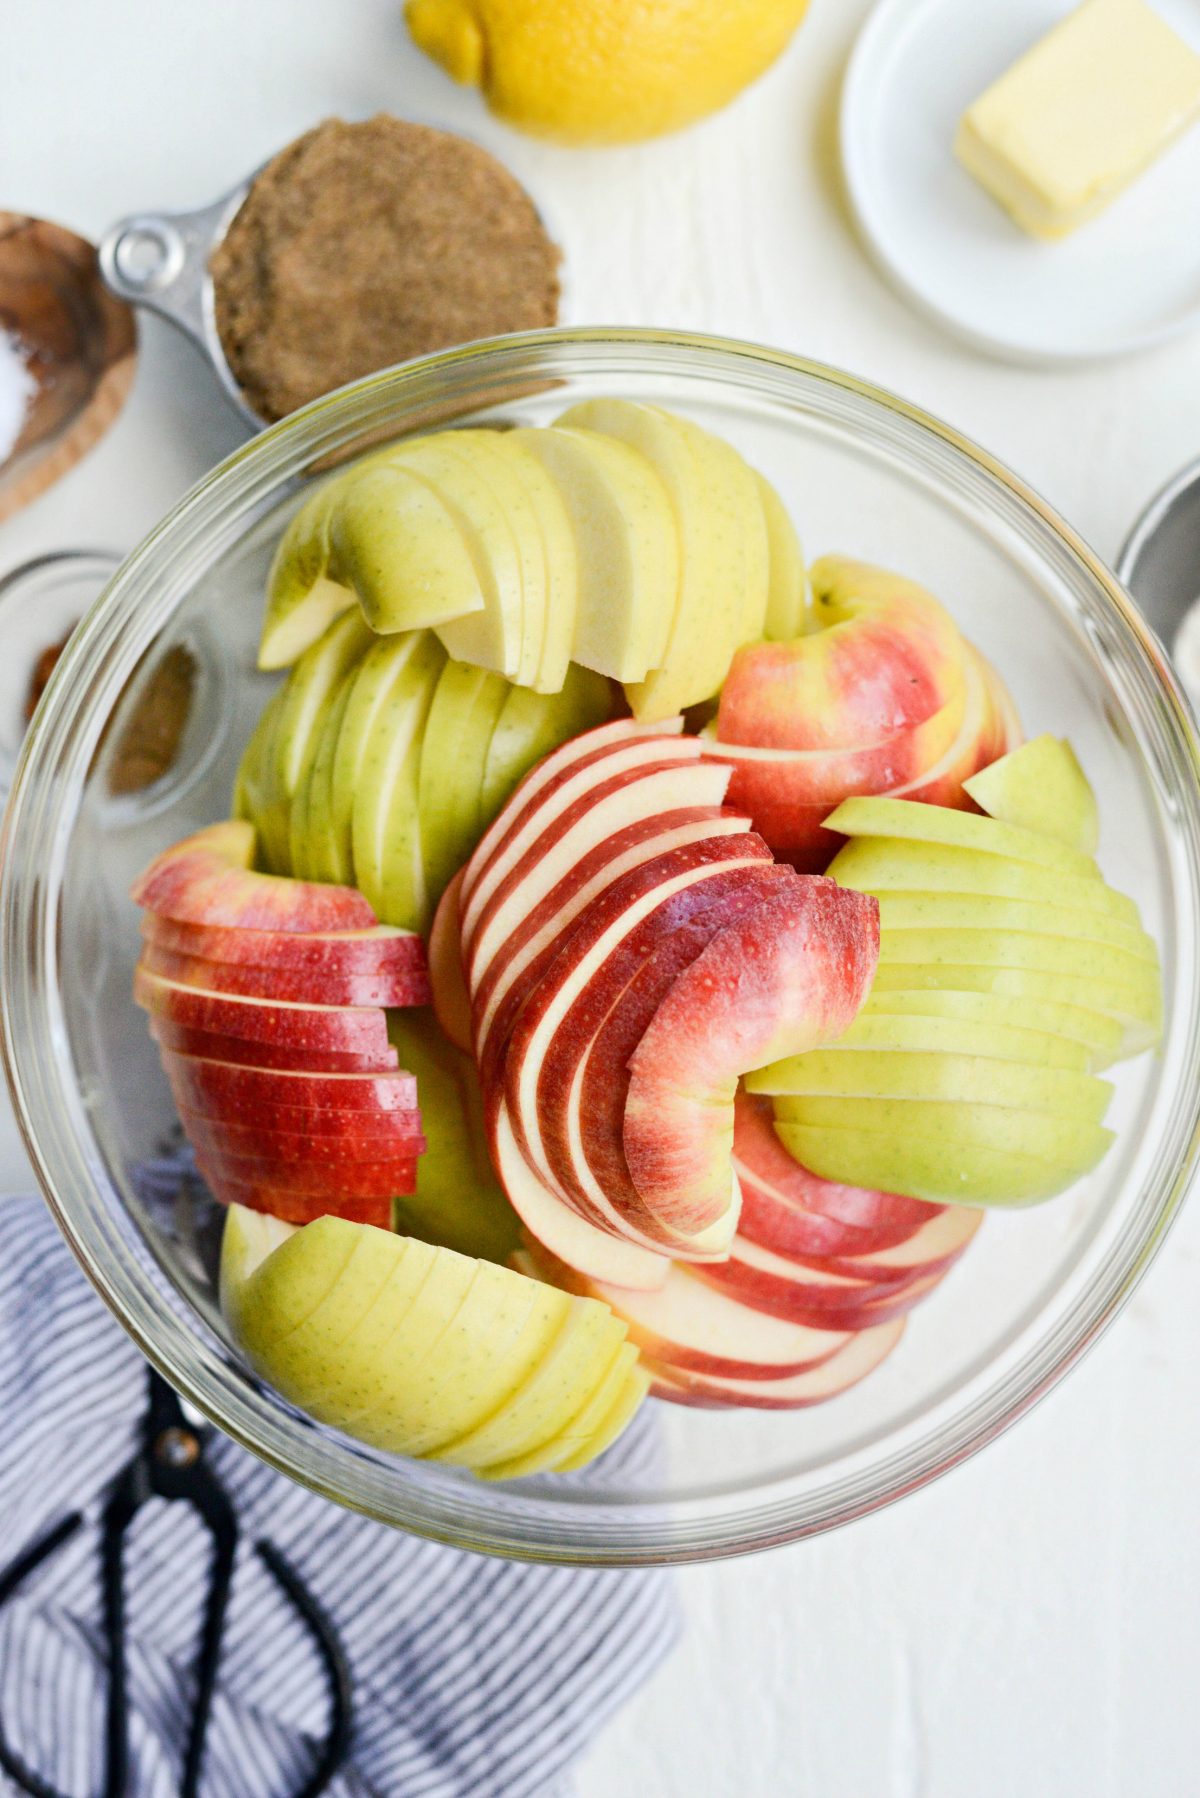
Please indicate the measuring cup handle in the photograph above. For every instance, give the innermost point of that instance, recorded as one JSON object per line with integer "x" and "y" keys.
{"x": 160, "y": 260}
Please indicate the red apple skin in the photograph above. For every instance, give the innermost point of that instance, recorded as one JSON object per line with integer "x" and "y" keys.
{"x": 359, "y": 1180}
{"x": 822, "y": 1304}
{"x": 649, "y": 969}
{"x": 792, "y": 974}
{"x": 358, "y": 1031}
{"x": 257, "y": 1092}
{"x": 295, "y": 986}
{"x": 211, "y": 1047}
{"x": 381, "y": 951}
{"x": 451, "y": 1001}
{"x": 794, "y": 1212}
{"x": 861, "y": 1356}
{"x": 505, "y": 1066}
{"x": 208, "y": 879}
{"x": 254, "y": 1143}
{"x": 620, "y": 738}
{"x": 299, "y": 1208}
{"x": 343, "y": 1131}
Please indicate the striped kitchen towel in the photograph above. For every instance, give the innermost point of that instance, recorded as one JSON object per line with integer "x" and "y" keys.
{"x": 472, "y": 1678}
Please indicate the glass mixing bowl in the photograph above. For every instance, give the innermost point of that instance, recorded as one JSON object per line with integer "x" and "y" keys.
{"x": 863, "y": 473}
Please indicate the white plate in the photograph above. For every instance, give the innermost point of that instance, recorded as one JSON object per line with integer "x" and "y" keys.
{"x": 1124, "y": 281}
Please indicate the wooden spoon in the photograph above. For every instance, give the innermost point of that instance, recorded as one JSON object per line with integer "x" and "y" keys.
{"x": 68, "y": 349}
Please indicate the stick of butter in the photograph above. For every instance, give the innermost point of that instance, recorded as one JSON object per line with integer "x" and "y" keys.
{"x": 1082, "y": 112}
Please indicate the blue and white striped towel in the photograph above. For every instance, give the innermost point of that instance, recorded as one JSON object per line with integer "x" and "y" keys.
{"x": 473, "y": 1678}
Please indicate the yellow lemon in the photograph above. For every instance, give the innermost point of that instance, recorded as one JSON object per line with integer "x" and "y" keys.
{"x": 604, "y": 71}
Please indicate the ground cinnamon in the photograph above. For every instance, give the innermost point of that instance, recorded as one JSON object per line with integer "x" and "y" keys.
{"x": 362, "y": 245}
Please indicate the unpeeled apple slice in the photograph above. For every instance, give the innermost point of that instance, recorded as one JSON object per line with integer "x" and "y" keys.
{"x": 983, "y": 914}
{"x": 530, "y": 725}
{"x": 387, "y": 669}
{"x": 403, "y": 1345}
{"x": 310, "y": 833}
{"x": 309, "y": 691}
{"x": 586, "y": 1434}
{"x": 786, "y": 615}
{"x": 1041, "y": 787}
{"x": 1112, "y": 1000}
{"x": 302, "y": 597}
{"x": 969, "y": 1080}
{"x": 491, "y": 638}
{"x": 908, "y": 820}
{"x": 1098, "y": 1035}
{"x": 208, "y": 879}
{"x": 384, "y": 827}
{"x": 880, "y": 865}
{"x": 461, "y": 720}
{"x": 710, "y": 621}
{"x": 256, "y": 798}
{"x": 957, "y": 1035}
{"x": 560, "y": 557}
{"x": 626, "y": 547}
{"x": 401, "y": 549}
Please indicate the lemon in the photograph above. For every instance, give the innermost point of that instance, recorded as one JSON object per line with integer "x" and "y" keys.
{"x": 604, "y": 71}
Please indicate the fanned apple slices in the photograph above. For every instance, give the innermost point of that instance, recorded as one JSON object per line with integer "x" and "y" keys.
{"x": 623, "y": 538}
{"x": 266, "y": 999}
{"x": 629, "y": 949}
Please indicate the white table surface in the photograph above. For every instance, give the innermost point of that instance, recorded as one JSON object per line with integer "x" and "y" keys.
{"x": 1029, "y": 1628}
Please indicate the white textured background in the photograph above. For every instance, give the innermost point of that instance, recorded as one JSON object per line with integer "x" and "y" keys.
{"x": 1030, "y": 1628}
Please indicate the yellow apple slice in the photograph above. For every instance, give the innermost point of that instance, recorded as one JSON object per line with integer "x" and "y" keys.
{"x": 400, "y": 547}
{"x": 530, "y": 725}
{"x": 710, "y": 618}
{"x": 583, "y": 1427}
{"x": 611, "y": 1426}
{"x": 451, "y": 760}
{"x": 254, "y": 793}
{"x": 1099, "y": 1035}
{"x": 490, "y": 638}
{"x": 302, "y": 598}
{"x": 787, "y": 605}
{"x": 626, "y": 545}
{"x": 309, "y": 688}
{"x": 387, "y": 779}
{"x": 308, "y": 831}
{"x": 561, "y": 558}
{"x": 964, "y": 1080}
{"x": 879, "y": 865}
{"x": 577, "y": 1362}
{"x": 359, "y": 751}
{"x": 907, "y": 820}
{"x": 739, "y": 488}
{"x": 901, "y": 912}
{"x": 1041, "y": 787}
{"x": 958, "y": 1035}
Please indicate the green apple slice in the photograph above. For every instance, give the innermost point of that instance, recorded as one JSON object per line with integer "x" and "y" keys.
{"x": 385, "y": 793}
{"x": 787, "y": 605}
{"x": 877, "y": 865}
{"x": 457, "y": 472}
{"x": 739, "y": 487}
{"x": 254, "y": 794}
{"x": 964, "y": 1080}
{"x": 1098, "y": 1035}
{"x": 453, "y": 749}
{"x": 502, "y": 469}
{"x": 532, "y": 724}
{"x": 375, "y": 679}
{"x": 623, "y": 1387}
{"x": 561, "y": 558}
{"x": 248, "y": 1238}
{"x": 909, "y": 821}
{"x": 459, "y": 1203}
{"x": 941, "y": 1163}
{"x": 577, "y": 1361}
{"x": 1077, "y": 956}
{"x": 625, "y": 543}
{"x": 1041, "y": 787}
{"x": 1138, "y": 1031}
{"x": 310, "y": 831}
{"x": 310, "y": 686}
{"x": 399, "y": 546}
{"x": 710, "y": 621}
{"x": 963, "y": 1035}
{"x": 902, "y": 911}
{"x": 302, "y": 598}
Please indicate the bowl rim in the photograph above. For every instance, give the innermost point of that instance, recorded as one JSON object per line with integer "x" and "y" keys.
{"x": 492, "y": 1520}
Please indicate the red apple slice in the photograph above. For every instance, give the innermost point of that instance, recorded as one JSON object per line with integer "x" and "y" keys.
{"x": 356, "y": 1031}
{"x": 688, "y": 1323}
{"x": 211, "y": 1047}
{"x": 349, "y": 1126}
{"x": 373, "y": 1140}
{"x": 300, "y": 1208}
{"x": 357, "y": 1180}
{"x": 567, "y": 1236}
{"x": 861, "y": 1356}
{"x": 796, "y": 970}
{"x": 208, "y": 879}
{"x": 451, "y": 1002}
{"x": 260, "y": 1090}
{"x": 934, "y": 1248}
{"x": 382, "y": 950}
{"x": 807, "y": 1295}
{"x": 551, "y": 789}
{"x": 301, "y": 986}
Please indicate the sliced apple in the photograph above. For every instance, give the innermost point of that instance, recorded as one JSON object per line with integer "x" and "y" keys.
{"x": 985, "y": 914}
{"x": 907, "y": 820}
{"x": 390, "y": 672}
{"x": 401, "y": 549}
{"x": 879, "y": 865}
{"x": 256, "y": 797}
{"x": 259, "y": 1091}
{"x": 295, "y": 1207}
{"x": 451, "y": 1001}
{"x": 296, "y": 986}
{"x": 710, "y": 616}
{"x": 312, "y": 847}
{"x": 814, "y": 1295}
{"x": 1041, "y": 787}
{"x": 1113, "y": 1001}
{"x": 861, "y": 1356}
{"x": 791, "y": 975}
{"x": 1098, "y": 1034}
{"x": 626, "y": 546}
{"x": 331, "y": 1181}
{"x": 209, "y": 1046}
{"x": 380, "y": 950}
{"x": 530, "y": 725}
{"x": 384, "y": 823}
{"x": 787, "y": 600}
{"x": 254, "y": 1143}
{"x": 410, "y": 1347}
{"x": 462, "y": 716}
{"x": 911, "y": 1074}
{"x": 352, "y": 1029}
{"x": 561, "y": 558}
{"x": 597, "y": 1423}
{"x": 310, "y": 688}
{"x": 207, "y": 879}
{"x": 958, "y": 1036}
{"x": 302, "y": 597}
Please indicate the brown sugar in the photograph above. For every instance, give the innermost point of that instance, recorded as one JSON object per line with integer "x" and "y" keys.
{"x": 362, "y": 245}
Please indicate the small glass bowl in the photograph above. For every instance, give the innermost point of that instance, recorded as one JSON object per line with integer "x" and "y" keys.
{"x": 863, "y": 473}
